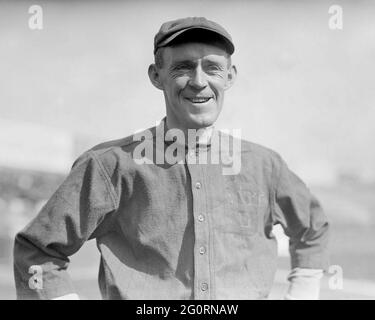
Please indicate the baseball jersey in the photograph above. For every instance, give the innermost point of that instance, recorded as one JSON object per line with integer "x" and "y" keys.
{"x": 186, "y": 229}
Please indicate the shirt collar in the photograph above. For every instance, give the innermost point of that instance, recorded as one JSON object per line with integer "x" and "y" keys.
{"x": 204, "y": 134}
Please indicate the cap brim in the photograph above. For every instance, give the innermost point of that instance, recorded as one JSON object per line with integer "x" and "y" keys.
{"x": 174, "y": 36}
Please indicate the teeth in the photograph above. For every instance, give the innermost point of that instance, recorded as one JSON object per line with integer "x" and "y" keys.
{"x": 199, "y": 100}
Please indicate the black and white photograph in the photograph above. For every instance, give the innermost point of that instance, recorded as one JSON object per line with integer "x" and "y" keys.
{"x": 187, "y": 150}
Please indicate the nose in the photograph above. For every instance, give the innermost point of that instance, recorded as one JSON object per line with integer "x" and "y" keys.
{"x": 198, "y": 79}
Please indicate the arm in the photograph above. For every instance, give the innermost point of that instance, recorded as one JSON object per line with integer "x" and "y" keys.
{"x": 72, "y": 215}
{"x": 307, "y": 227}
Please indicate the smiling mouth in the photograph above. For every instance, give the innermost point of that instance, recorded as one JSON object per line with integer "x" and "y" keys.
{"x": 199, "y": 99}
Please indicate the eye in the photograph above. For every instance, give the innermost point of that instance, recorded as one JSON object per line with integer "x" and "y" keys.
{"x": 213, "y": 68}
{"x": 181, "y": 67}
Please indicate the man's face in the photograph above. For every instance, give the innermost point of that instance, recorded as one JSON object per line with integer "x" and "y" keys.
{"x": 194, "y": 77}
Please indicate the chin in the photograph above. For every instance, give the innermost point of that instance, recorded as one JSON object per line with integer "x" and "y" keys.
{"x": 202, "y": 121}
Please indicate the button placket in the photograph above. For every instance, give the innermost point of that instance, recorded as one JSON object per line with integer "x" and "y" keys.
{"x": 201, "y": 229}
{"x": 191, "y": 157}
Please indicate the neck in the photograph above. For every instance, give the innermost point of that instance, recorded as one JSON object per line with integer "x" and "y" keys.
{"x": 203, "y": 134}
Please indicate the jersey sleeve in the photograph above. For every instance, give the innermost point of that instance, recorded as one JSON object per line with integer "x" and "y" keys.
{"x": 303, "y": 220}
{"x": 71, "y": 216}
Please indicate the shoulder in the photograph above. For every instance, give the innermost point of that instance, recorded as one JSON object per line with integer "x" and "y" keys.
{"x": 125, "y": 144}
{"x": 110, "y": 153}
{"x": 255, "y": 150}
{"x": 268, "y": 157}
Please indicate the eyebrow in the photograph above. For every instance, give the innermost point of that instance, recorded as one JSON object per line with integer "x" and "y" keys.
{"x": 182, "y": 62}
{"x": 208, "y": 60}
{"x": 192, "y": 63}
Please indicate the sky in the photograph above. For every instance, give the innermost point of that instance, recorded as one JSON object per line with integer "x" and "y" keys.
{"x": 303, "y": 89}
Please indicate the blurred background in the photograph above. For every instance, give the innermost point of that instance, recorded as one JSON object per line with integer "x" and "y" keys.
{"x": 303, "y": 89}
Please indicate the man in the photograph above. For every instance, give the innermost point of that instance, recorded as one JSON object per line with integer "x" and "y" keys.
{"x": 167, "y": 225}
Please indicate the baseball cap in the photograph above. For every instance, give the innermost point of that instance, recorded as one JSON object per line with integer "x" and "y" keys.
{"x": 171, "y": 30}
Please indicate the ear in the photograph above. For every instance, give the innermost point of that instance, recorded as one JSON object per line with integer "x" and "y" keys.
{"x": 231, "y": 77}
{"x": 153, "y": 74}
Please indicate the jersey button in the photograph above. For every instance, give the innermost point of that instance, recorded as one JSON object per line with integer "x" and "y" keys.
{"x": 204, "y": 286}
